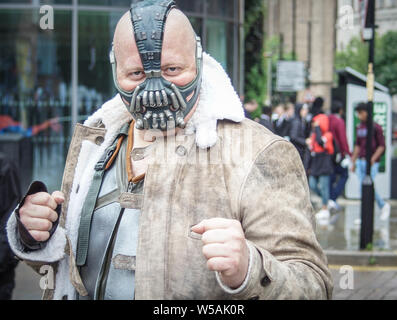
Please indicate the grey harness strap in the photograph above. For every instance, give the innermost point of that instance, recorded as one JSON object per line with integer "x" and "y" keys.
{"x": 89, "y": 204}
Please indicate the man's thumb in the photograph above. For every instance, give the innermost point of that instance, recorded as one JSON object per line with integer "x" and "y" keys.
{"x": 198, "y": 228}
{"x": 58, "y": 196}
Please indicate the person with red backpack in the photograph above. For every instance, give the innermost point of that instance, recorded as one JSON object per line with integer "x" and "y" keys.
{"x": 321, "y": 165}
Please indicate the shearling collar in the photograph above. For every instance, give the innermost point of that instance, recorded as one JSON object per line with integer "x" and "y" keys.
{"x": 218, "y": 101}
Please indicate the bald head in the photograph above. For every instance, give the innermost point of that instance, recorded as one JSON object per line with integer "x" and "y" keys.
{"x": 179, "y": 32}
{"x": 124, "y": 39}
{"x": 179, "y": 47}
{"x": 177, "y": 27}
{"x": 178, "y": 55}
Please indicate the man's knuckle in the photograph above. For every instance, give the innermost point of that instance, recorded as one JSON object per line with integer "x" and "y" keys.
{"x": 48, "y": 200}
{"x": 47, "y": 225}
{"x": 45, "y": 196}
{"x": 22, "y": 211}
{"x": 45, "y": 236}
{"x": 205, "y": 251}
{"x": 47, "y": 213}
{"x": 53, "y": 216}
{"x": 235, "y": 247}
{"x": 36, "y": 235}
{"x": 41, "y": 236}
{"x": 24, "y": 221}
{"x": 236, "y": 223}
{"x": 238, "y": 236}
{"x": 211, "y": 265}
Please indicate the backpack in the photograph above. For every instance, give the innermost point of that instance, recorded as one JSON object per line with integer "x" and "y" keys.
{"x": 326, "y": 134}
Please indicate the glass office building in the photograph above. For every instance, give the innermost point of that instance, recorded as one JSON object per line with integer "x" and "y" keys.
{"x": 53, "y": 76}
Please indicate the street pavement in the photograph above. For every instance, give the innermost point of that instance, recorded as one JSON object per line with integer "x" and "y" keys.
{"x": 343, "y": 233}
{"x": 367, "y": 283}
{"x": 27, "y": 283}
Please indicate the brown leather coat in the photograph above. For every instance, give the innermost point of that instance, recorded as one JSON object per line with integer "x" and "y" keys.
{"x": 250, "y": 175}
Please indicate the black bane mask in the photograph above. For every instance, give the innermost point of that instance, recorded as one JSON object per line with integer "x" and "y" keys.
{"x": 157, "y": 103}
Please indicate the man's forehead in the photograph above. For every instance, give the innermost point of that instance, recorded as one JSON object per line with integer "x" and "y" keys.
{"x": 179, "y": 38}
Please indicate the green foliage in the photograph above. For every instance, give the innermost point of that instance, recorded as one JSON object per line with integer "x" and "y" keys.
{"x": 386, "y": 61}
{"x": 254, "y": 12}
{"x": 255, "y": 67}
{"x": 356, "y": 56}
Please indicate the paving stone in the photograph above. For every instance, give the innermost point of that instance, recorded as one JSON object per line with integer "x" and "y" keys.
{"x": 368, "y": 285}
{"x": 391, "y": 295}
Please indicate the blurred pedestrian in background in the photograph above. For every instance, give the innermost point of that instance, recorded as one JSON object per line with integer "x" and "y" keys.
{"x": 249, "y": 108}
{"x": 281, "y": 121}
{"x": 298, "y": 125}
{"x": 342, "y": 154}
{"x": 359, "y": 154}
{"x": 321, "y": 165}
{"x": 10, "y": 195}
{"x": 266, "y": 118}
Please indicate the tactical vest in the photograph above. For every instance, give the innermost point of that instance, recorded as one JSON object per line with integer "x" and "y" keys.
{"x": 106, "y": 255}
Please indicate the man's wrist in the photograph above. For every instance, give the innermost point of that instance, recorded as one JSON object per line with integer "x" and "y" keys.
{"x": 245, "y": 282}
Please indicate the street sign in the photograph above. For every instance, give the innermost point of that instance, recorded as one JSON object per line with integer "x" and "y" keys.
{"x": 367, "y": 34}
{"x": 290, "y": 76}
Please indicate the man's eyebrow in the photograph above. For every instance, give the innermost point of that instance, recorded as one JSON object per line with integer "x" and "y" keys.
{"x": 174, "y": 64}
{"x": 129, "y": 69}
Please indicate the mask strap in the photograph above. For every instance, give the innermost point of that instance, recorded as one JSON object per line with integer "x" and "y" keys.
{"x": 127, "y": 95}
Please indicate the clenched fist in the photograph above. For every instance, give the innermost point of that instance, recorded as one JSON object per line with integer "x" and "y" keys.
{"x": 225, "y": 249}
{"x": 38, "y": 213}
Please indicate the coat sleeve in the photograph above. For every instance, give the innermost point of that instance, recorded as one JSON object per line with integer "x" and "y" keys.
{"x": 25, "y": 247}
{"x": 277, "y": 218}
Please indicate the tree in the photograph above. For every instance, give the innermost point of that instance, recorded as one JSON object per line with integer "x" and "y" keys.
{"x": 356, "y": 56}
{"x": 386, "y": 61}
{"x": 255, "y": 74}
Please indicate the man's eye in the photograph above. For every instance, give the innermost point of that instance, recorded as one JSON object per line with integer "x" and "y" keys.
{"x": 136, "y": 74}
{"x": 172, "y": 70}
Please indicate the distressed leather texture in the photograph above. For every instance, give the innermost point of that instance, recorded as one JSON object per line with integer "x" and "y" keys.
{"x": 250, "y": 175}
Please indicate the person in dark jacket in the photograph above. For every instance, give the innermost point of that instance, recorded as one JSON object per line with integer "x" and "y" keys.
{"x": 10, "y": 195}
{"x": 282, "y": 122}
{"x": 266, "y": 118}
{"x": 298, "y": 129}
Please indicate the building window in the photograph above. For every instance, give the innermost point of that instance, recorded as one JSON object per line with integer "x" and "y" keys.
{"x": 95, "y": 77}
{"x": 35, "y": 90}
{"x": 38, "y": 84}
